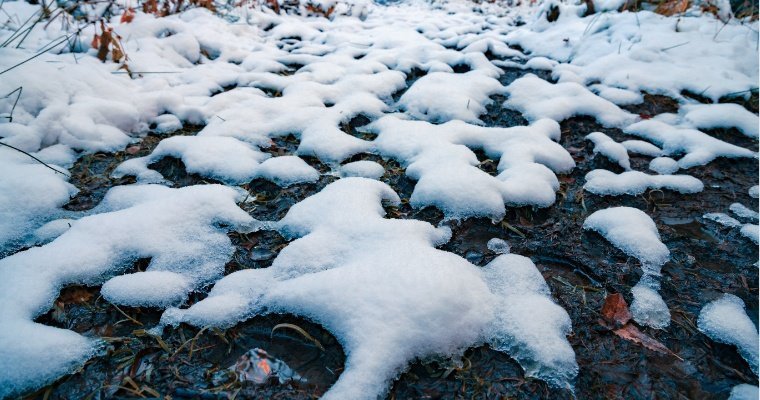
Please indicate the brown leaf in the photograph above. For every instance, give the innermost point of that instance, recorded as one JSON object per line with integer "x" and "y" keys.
{"x": 133, "y": 150}
{"x": 672, "y": 7}
{"x": 105, "y": 41}
{"x": 95, "y": 41}
{"x": 632, "y": 333}
{"x": 128, "y": 16}
{"x": 615, "y": 311}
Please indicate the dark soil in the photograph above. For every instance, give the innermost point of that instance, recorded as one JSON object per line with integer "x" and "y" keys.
{"x": 580, "y": 267}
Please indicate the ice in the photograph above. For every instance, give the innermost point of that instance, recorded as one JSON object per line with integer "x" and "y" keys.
{"x": 536, "y": 98}
{"x": 440, "y": 159}
{"x": 744, "y": 392}
{"x": 607, "y": 183}
{"x": 609, "y": 148}
{"x": 742, "y": 211}
{"x": 362, "y": 169}
{"x": 633, "y": 232}
{"x": 441, "y": 97}
{"x": 663, "y": 165}
{"x": 648, "y": 307}
{"x": 724, "y": 320}
{"x": 699, "y": 148}
{"x": 379, "y": 283}
{"x": 498, "y": 246}
{"x": 177, "y": 228}
{"x": 722, "y": 219}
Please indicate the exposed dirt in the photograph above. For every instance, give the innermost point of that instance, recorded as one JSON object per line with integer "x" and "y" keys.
{"x": 580, "y": 267}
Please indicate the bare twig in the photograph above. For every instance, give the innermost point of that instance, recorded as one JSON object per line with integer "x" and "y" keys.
{"x": 19, "y": 90}
{"x": 35, "y": 158}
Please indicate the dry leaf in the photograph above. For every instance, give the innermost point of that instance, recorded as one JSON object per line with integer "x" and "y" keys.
{"x": 672, "y": 7}
{"x": 128, "y": 16}
{"x": 615, "y": 311}
{"x": 632, "y": 333}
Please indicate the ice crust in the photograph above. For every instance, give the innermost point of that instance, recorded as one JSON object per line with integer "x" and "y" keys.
{"x": 633, "y": 232}
{"x": 357, "y": 274}
{"x": 725, "y": 320}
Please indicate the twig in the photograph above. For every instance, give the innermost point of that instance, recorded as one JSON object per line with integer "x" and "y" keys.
{"x": 673, "y": 47}
{"x": 35, "y": 158}
{"x": 19, "y": 90}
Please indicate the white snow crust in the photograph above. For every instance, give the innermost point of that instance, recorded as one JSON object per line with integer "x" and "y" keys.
{"x": 725, "y": 320}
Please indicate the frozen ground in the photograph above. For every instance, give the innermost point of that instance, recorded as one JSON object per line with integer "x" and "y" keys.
{"x": 406, "y": 200}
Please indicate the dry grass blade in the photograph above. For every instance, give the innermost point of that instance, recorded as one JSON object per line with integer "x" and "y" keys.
{"x": 512, "y": 228}
{"x": 301, "y": 331}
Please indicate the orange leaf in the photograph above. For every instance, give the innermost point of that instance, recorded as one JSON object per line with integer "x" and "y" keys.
{"x": 95, "y": 41}
{"x": 672, "y": 7}
{"x": 615, "y": 310}
{"x": 128, "y": 16}
{"x": 632, "y": 333}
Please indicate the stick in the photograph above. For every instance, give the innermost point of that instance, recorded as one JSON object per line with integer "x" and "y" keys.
{"x": 35, "y": 158}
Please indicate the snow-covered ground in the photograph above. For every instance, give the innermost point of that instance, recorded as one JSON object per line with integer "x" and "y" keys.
{"x": 374, "y": 282}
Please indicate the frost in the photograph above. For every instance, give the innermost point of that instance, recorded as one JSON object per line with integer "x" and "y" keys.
{"x": 724, "y": 320}
{"x": 380, "y": 283}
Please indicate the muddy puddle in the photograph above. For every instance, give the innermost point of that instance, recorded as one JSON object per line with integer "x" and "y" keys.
{"x": 580, "y": 267}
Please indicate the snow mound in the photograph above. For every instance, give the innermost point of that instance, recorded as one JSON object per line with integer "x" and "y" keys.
{"x": 607, "y": 183}
{"x": 30, "y": 195}
{"x": 725, "y": 320}
{"x": 440, "y": 97}
{"x": 536, "y": 98}
{"x": 379, "y": 283}
{"x": 440, "y": 158}
{"x": 176, "y": 228}
{"x": 663, "y": 165}
{"x": 362, "y": 169}
{"x": 710, "y": 116}
{"x": 611, "y": 149}
{"x": 699, "y": 148}
{"x": 634, "y": 233}
{"x": 742, "y": 211}
{"x": 744, "y": 392}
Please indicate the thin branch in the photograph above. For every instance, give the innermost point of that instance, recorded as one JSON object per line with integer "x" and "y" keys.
{"x": 35, "y": 158}
{"x": 19, "y": 90}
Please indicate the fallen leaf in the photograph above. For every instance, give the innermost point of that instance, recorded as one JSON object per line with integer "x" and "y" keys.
{"x": 672, "y": 7}
{"x": 632, "y": 333}
{"x": 615, "y": 311}
{"x": 128, "y": 16}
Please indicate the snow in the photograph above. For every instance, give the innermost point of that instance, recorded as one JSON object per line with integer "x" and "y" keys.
{"x": 536, "y": 98}
{"x": 742, "y": 211}
{"x": 633, "y": 232}
{"x": 663, "y": 165}
{"x": 754, "y": 192}
{"x": 609, "y": 148}
{"x": 699, "y": 148}
{"x": 498, "y": 246}
{"x": 440, "y": 159}
{"x": 724, "y": 320}
{"x": 441, "y": 96}
{"x": 607, "y": 183}
{"x": 176, "y": 228}
{"x": 373, "y": 282}
{"x": 744, "y": 392}
{"x": 379, "y": 283}
{"x": 363, "y": 169}
{"x": 711, "y": 116}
